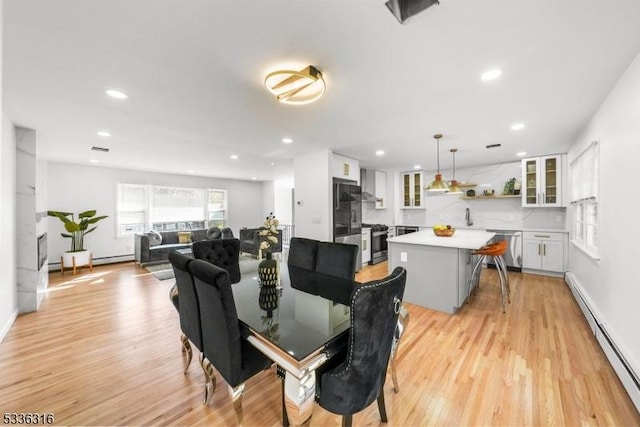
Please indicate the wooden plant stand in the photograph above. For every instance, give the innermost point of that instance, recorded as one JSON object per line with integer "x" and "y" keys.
{"x": 74, "y": 266}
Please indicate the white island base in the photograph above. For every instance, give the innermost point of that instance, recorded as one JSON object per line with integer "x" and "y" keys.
{"x": 438, "y": 268}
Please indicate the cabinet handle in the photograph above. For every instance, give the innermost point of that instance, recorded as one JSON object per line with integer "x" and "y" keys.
{"x": 542, "y": 235}
{"x": 544, "y": 250}
{"x": 543, "y": 199}
{"x": 539, "y": 252}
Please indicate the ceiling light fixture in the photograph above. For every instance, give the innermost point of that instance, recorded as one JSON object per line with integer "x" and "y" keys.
{"x": 114, "y": 93}
{"x": 453, "y": 187}
{"x": 380, "y": 153}
{"x": 296, "y": 87}
{"x": 287, "y": 140}
{"x": 517, "y": 126}
{"x": 103, "y": 133}
{"x": 491, "y": 74}
{"x": 438, "y": 184}
{"x": 234, "y": 156}
{"x": 417, "y": 167}
{"x": 521, "y": 153}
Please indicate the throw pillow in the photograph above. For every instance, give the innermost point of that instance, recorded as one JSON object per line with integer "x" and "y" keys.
{"x": 214, "y": 233}
{"x": 184, "y": 237}
{"x": 155, "y": 238}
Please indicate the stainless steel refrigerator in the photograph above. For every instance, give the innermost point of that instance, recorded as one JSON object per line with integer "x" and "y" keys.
{"x": 347, "y": 215}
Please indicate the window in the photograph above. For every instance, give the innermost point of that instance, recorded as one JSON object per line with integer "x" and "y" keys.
{"x": 217, "y": 207}
{"x": 132, "y": 209}
{"x": 164, "y": 208}
{"x": 584, "y": 199}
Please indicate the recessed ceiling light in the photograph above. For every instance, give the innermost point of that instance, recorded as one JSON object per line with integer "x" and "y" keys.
{"x": 192, "y": 171}
{"x": 517, "y": 126}
{"x": 234, "y": 156}
{"x": 114, "y": 93}
{"x": 416, "y": 167}
{"x": 521, "y": 153}
{"x": 93, "y": 161}
{"x": 491, "y": 74}
{"x": 253, "y": 178}
{"x": 380, "y": 153}
{"x": 287, "y": 140}
{"x": 103, "y": 133}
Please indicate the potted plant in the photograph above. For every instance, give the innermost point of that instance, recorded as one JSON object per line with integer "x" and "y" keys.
{"x": 76, "y": 232}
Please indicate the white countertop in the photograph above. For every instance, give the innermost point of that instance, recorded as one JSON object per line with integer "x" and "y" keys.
{"x": 481, "y": 228}
{"x": 462, "y": 239}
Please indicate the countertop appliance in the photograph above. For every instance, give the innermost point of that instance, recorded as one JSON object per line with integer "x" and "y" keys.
{"x": 347, "y": 214}
{"x": 379, "y": 248}
{"x": 405, "y": 229}
{"x": 513, "y": 256}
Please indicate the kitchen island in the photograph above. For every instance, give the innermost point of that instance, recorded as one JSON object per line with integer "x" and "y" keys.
{"x": 438, "y": 268}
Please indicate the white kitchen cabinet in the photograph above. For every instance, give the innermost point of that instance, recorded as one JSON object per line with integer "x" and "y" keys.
{"x": 366, "y": 246}
{"x": 543, "y": 251}
{"x": 542, "y": 184}
{"x": 381, "y": 189}
{"x": 345, "y": 168}
{"x": 411, "y": 190}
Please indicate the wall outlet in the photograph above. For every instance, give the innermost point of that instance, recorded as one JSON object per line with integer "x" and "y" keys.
{"x": 403, "y": 257}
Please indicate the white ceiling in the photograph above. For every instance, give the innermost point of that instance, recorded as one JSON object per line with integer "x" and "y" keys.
{"x": 194, "y": 73}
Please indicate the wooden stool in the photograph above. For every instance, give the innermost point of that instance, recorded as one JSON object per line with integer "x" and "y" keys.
{"x": 497, "y": 251}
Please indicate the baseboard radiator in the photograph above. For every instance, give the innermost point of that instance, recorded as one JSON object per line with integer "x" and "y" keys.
{"x": 628, "y": 376}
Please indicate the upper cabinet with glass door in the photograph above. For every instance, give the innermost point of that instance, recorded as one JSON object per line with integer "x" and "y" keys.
{"x": 412, "y": 183}
{"x": 542, "y": 184}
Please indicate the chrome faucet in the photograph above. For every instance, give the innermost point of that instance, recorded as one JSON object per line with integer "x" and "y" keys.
{"x": 467, "y": 216}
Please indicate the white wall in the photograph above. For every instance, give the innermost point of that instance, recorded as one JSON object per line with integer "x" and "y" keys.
{"x": 8, "y": 294}
{"x": 76, "y": 188}
{"x": 611, "y": 283}
{"x": 312, "y": 205}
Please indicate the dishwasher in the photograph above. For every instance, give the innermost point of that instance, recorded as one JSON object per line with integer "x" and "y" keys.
{"x": 513, "y": 256}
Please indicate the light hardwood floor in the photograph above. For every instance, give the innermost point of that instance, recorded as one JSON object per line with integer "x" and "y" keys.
{"x": 104, "y": 349}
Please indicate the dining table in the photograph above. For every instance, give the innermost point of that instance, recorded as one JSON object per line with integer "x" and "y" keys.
{"x": 300, "y": 332}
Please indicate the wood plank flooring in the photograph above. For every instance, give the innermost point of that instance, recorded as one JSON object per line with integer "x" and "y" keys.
{"x": 104, "y": 349}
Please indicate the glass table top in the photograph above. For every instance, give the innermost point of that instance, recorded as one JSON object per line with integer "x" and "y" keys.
{"x": 302, "y": 322}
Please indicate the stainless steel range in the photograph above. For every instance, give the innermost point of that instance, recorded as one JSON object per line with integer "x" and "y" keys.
{"x": 379, "y": 234}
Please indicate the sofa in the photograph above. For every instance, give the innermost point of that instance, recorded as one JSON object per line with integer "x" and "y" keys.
{"x": 155, "y": 246}
{"x": 250, "y": 241}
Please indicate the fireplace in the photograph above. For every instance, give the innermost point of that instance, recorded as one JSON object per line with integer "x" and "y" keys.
{"x": 42, "y": 250}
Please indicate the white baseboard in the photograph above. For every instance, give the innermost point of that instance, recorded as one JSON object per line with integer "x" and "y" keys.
{"x": 5, "y": 328}
{"x": 626, "y": 373}
{"x": 53, "y": 266}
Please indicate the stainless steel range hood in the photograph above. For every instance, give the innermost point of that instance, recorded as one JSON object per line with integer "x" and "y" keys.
{"x": 368, "y": 186}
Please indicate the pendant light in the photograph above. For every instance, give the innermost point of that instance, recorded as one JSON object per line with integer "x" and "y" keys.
{"x": 438, "y": 184}
{"x": 453, "y": 187}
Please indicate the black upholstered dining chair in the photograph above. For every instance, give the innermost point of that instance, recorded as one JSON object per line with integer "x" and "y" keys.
{"x": 225, "y": 253}
{"x": 359, "y": 380}
{"x": 184, "y": 298}
{"x": 224, "y": 348}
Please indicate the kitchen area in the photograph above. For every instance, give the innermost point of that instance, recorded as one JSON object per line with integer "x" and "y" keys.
{"x": 531, "y": 216}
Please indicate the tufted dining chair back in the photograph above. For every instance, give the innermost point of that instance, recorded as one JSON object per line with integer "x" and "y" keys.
{"x": 225, "y": 253}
